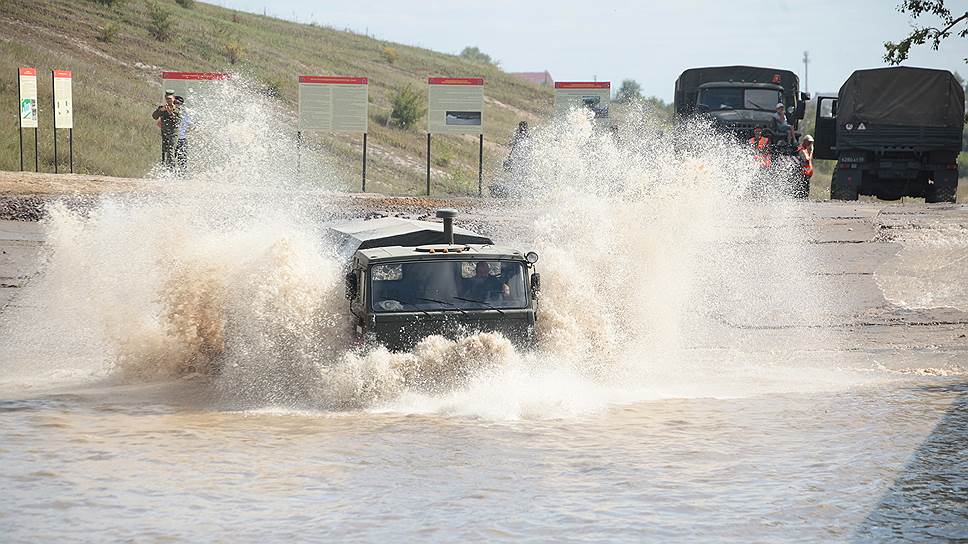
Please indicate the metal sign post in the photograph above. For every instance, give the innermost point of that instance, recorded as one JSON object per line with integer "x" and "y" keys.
{"x": 53, "y": 106}
{"x": 62, "y": 104}
{"x": 70, "y": 136}
{"x": 335, "y": 104}
{"x": 20, "y": 125}
{"x": 364, "y": 163}
{"x": 455, "y": 105}
{"x": 27, "y": 109}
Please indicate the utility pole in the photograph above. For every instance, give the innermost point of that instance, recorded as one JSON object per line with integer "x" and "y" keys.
{"x": 806, "y": 71}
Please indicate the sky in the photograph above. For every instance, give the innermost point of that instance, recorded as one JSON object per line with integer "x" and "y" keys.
{"x": 650, "y": 42}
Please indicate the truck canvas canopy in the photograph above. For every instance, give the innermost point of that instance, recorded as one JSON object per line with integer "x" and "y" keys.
{"x": 902, "y": 96}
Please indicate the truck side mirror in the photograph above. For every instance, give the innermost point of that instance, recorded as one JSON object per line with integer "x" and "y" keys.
{"x": 352, "y": 286}
{"x": 801, "y": 110}
{"x": 804, "y": 97}
{"x": 535, "y": 283}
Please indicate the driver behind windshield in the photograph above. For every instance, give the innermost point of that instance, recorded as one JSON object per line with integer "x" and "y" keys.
{"x": 483, "y": 286}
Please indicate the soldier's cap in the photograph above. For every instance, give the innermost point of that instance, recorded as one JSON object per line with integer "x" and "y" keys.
{"x": 780, "y": 105}
{"x": 169, "y": 93}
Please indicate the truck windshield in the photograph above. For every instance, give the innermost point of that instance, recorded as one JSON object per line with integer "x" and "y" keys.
{"x": 447, "y": 285}
{"x": 738, "y": 98}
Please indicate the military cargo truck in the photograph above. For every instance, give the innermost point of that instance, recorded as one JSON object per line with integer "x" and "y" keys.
{"x": 894, "y": 132}
{"x": 408, "y": 279}
{"x": 740, "y": 98}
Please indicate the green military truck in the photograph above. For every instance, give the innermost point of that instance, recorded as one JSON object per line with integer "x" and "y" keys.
{"x": 894, "y": 132}
{"x": 408, "y": 279}
{"x": 740, "y": 98}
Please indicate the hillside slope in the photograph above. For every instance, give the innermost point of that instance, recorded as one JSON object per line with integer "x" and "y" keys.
{"x": 117, "y": 84}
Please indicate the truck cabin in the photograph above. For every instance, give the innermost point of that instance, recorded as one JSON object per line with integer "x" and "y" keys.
{"x": 410, "y": 279}
{"x": 741, "y": 107}
{"x": 467, "y": 281}
{"x": 739, "y": 96}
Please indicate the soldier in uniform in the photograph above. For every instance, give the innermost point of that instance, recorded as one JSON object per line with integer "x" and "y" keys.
{"x": 168, "y": 116}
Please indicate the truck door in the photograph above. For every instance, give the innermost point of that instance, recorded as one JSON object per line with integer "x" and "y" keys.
{"x": 826, "y": 137}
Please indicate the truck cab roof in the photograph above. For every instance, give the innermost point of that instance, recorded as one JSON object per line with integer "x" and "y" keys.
{"x": 387, "y": 232}
{"x": 741, "y": 84}
{"x": 430, "y": 252}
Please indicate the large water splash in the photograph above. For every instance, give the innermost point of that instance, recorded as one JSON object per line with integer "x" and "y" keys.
{"x": 649, "y": 251}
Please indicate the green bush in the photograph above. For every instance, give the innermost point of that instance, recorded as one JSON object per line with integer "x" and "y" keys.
{"x": 234, "y": 51}
{"x": 159, "y": 22}
{"x": 390, "y": 54}
{"x": 406, "y": 106}
{"x": 474, "y": 54}
{"x": 111, "y": 3}
{"x": 187, "y": 4}
{"x": 108, "y": 33}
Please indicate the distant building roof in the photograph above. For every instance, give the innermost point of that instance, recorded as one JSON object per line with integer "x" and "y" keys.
{"x": 541, "y": 78}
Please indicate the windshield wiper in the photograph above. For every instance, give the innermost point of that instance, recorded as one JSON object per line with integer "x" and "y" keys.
{"x": 414, "y": 306}
{"x": 759, "y": 106}
{"x": 489, "y": 305}
{"x": 451, "y": 304}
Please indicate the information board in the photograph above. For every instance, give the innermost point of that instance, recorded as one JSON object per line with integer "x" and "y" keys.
{"x": 455, "y": 105}
{"x": 185, "y": 84}
{"x": 63, "y": 99}
{"x": 28, "y": 97}
{"x": 333, "y": 104}
{"x": 594, "y": 95}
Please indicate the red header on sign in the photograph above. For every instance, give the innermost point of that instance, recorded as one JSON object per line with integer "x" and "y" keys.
{"x": 583, "y": 84}
{"x": 334, "y": 80}
{"x": 62, "y": 74}
{"x": 202, "y": 76}
{"x": 28, "y": 71}
{"x": 455, "y": 80}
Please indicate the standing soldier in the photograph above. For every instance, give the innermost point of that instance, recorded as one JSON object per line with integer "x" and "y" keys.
{"x": 518, "y": 147}
{"x": 184, "y": 125}
{"x": 168, "y": 116}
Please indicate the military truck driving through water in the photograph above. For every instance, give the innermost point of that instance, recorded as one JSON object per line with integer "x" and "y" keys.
{"x": 740, "y": 98}
{"x": 408, "y": 279}
{"x": 894, "y": 132}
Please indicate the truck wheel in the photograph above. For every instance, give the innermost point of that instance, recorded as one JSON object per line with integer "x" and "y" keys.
{"x": 844, "y": 185}
{"x": 944, "y": 188}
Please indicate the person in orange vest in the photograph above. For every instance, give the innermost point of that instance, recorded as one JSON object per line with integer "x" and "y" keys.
{"x": 805, "y": 153}
{"x": 760, "y": 145}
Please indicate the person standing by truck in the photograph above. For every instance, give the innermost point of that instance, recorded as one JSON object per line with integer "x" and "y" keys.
{"x": 168, "y": 116}
{"x": 760, "y": 145}
{"x": 805, "y": 155}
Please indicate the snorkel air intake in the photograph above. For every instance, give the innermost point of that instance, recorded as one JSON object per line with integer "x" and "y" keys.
{"x": 448, "y": 215}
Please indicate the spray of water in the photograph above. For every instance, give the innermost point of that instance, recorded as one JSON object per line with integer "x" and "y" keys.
{"x": 653, "y": 245}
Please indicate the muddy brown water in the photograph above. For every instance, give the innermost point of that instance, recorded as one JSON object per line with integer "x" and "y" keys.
{"x": 777, "y": 437}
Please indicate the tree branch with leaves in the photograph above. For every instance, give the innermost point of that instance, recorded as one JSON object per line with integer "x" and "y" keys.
{"x": 950, "y": 23}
